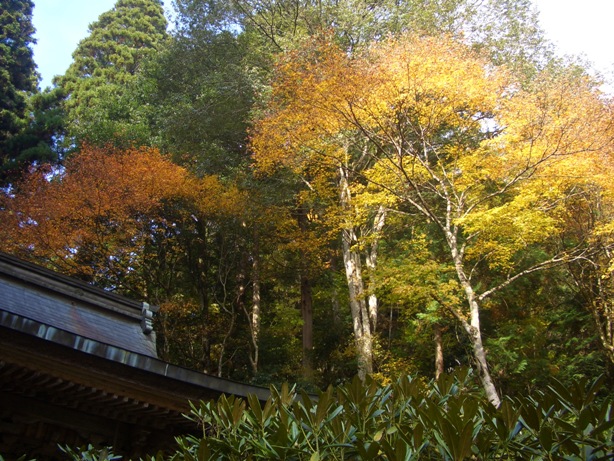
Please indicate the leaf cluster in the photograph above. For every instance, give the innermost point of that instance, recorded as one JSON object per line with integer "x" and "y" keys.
{"x": 107, "y": 61}
{"x": 446, "y": 419}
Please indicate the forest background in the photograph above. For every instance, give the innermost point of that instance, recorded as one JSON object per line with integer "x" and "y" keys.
{"x": 311, "y": 190}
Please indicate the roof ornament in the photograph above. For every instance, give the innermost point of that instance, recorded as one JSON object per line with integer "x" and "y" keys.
{"x": 147, "y": 313}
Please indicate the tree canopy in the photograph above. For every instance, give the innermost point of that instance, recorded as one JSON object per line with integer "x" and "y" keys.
{"x": 108, "y": 60}
{"x": 18, "y": 78}
{"x": 314, "y": 190}
{"x": 428, "y": 126}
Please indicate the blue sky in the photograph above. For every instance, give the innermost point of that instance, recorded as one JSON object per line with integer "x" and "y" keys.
{"x": 578, "y": 27}
{"x": 60, "y": 25}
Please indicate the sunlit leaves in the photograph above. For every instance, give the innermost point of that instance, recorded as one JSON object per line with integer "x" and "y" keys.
{"x": 436, "y": 117}
{"x": 427, "y": 127}
{"x": 303, "y": 122}
{"x": 94, "y": 217}
{"x": 405, "y": 420}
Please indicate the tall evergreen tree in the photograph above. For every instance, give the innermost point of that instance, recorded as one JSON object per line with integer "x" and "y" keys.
{"x": 108, "y": 59}
{"x": 17, "y": 74}
{"x": 203, "y": 90}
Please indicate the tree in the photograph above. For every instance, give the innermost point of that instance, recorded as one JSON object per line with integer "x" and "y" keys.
{"x": 491, "y": 171}
{"x": 590, "y": 219}
{"x": 202, "y": 91}
{"x": 506, "y": 30}
{"x": 312, "y": 142}
{"x": 108, "y": 60}
{"x": 131, "y": 221}
{"x": 40, "y": 139}
{"x": 206, "y": 83}
{"x": 95, "y": 218}
{"x": 440, "y": 133}
{"x": 18, "y": 78}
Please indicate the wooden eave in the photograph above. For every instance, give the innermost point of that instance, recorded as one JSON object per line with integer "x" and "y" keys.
{"x": 55, "y": 381}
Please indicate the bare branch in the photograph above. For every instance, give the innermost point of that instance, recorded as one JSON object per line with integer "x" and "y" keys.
{"x": 548, "y": 264}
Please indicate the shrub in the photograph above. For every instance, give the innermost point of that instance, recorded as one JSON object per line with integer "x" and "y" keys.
{"x": 448, "y": 419}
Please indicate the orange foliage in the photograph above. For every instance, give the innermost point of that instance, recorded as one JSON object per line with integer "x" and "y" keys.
{"x": 300, "y": 127}
{"x": 105, "y": 205}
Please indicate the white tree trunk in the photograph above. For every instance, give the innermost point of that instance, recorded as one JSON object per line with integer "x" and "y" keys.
{"x": 254, "y": 315}
{"x": 371, "y": 262}
{"x": 353, "y": 272}
{"x": 438, "y": 338}
{"x": 473, "y": 326}
{"x": 358, "y": 308}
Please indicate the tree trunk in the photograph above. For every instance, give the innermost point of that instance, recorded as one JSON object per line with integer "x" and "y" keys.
{"x": 222, "y": 352}
{"x": 438, "y": 337}
{"x": 307, "y": 314}
{"x": 253, "y": 316}
{"x": 479, "y": 354}
{"x": 603, "y": 314}
{"x": 473, "y": 326}
{"x": 353, "y": 272}
{"x": 480, "y": 357}
{"x": 371, "y": 262}
{"x": 306, "y": 302}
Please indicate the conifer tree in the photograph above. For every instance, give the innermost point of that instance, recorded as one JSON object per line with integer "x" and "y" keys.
{"x": 108, "y": 59}
{"x": 17, "y": 74}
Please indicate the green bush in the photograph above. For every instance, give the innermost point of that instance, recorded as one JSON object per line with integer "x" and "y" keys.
{"x": 90, "y": 453}
{"x": 445, "y": 420}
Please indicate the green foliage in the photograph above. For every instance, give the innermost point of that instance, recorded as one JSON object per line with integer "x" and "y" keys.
{"x": 17, "y": 68}
{"x": 201, "y": 91}
{"x": 509, "y": 31}
{"x": 18, "y": 77}
{"x": 39, "y": 141}
{"x": 90, "y": 453}
{"x": 195, "y": 94}
{"x": 106, "y": 62}
{"x": 21, "y": 458}
{"x": 447, "y": 419}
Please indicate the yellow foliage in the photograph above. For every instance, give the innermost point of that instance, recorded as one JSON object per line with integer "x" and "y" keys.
{"x": 426, "y": 123}
{"x": 214, "y": 198}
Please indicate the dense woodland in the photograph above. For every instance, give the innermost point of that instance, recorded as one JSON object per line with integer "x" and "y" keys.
{"x": 314, "y": 190}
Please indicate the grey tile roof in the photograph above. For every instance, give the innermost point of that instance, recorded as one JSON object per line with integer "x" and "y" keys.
{"x": 69, "y": 305}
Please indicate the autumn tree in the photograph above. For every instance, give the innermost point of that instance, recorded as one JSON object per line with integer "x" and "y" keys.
{"x": 312, "y": 142}
{"x": 589, "y": 219}
{"x": 206, "y": 83}
{"x": 133, "y": 222}
{"x": 440, "y": 133}
{"x": 93, "y": 218}
{"x": 490, "y": 169}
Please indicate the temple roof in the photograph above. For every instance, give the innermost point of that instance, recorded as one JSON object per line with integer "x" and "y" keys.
{"x": 62, "y": 304}
{"x": 81, "y": 362}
